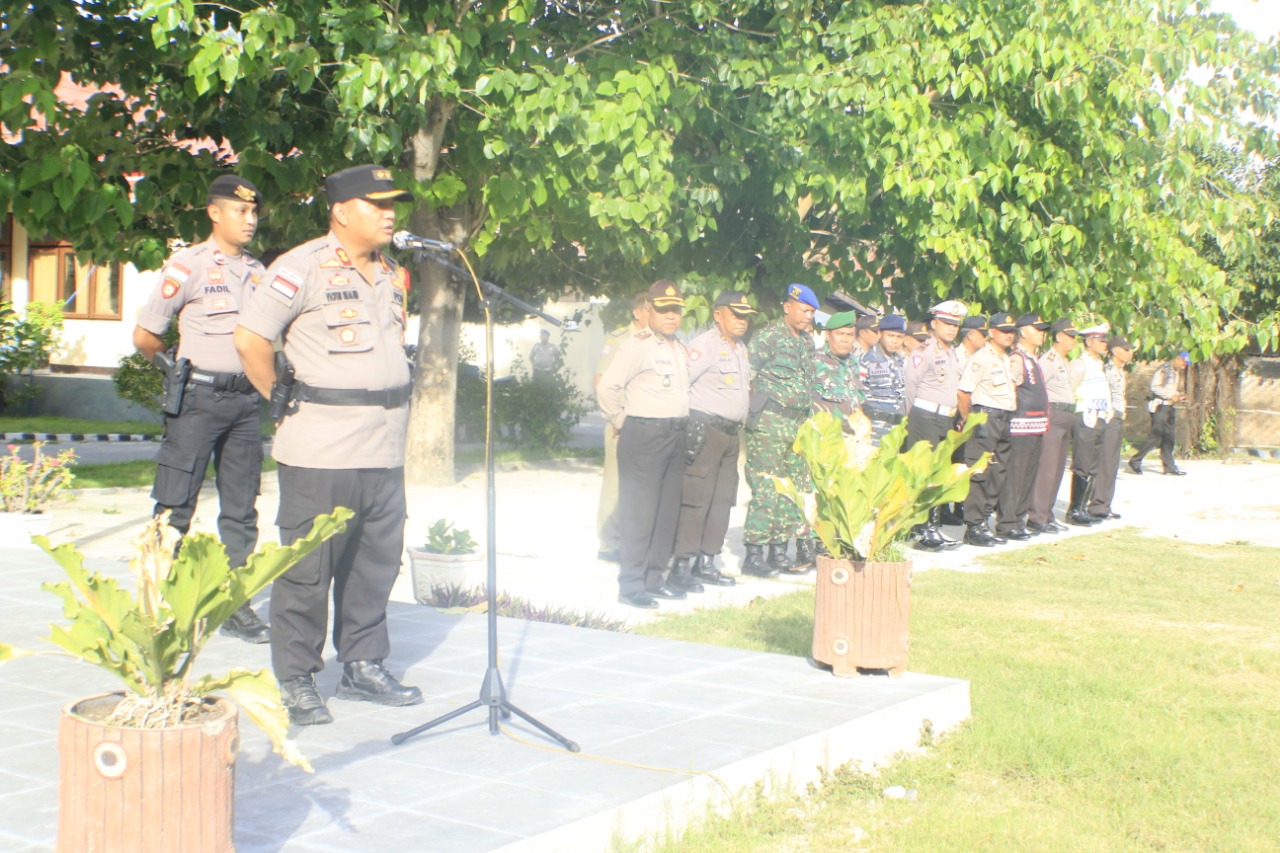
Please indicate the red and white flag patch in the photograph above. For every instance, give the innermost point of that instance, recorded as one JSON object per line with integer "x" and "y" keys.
{"x": 286, "y": 283}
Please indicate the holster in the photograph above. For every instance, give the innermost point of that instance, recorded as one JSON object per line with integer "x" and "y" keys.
{"x": 176, "y": 373}
{"x": 755, "y": 408}
{"x": 281, "y": 389}
{"x": 695, "y": 436}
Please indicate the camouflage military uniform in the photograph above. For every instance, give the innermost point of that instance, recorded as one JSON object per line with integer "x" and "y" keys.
{"x": 885, "y": 380}
{"x": 783, "y": 367}
{"x": 837, "y": 386}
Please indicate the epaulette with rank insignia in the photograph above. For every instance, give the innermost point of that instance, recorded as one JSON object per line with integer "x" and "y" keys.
{"x": 643, "y": 334}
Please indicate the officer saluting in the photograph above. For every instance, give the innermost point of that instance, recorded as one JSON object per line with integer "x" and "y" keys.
{"x": 932, "y": 385}
{"x": 215, "y": 411}
{"x": 644, "y": 393}
{"x": 338, "y": 305}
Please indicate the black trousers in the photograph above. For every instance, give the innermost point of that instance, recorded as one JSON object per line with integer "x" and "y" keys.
{"x": 926, "y": 426}
{"x": 1053, "y": 461}
{"x": 1019, "y": 480}
{"x": 709, "y": 491}
{"x": 1109, "y": 463}
{"x": 1163, "y": 435}
{"x": 360, "y": 565}
{"x": 1086, "y": 447}
{"x": 650, "y": 479}
{"x": 224, "y": 426}
{"x": 984, "y": 488}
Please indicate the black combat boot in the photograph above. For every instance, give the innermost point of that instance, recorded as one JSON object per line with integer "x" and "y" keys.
{"x": 977, "y": 534}
{"x": 245, "y": 625}
{"x": 931, "y": 536}
{"x": 704, "y": 569}
{"x": 1076, "y": 514}
{"x": 681, "y": 577}
{"x": 369, "y": 681}
{"x": 806, "y": 556}
{"x": 755, "y": 564}
{"x": 303, "y": 702}
{"x": 778, "y": 559}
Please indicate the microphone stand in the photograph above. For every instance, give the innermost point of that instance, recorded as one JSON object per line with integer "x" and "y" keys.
{"x": 493, "y": 695}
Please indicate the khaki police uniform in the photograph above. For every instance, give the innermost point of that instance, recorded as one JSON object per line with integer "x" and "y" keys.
{"x": 1053, "y": 450}
{"x": 207, "y": 288}
{"x": 644, "y": 392}
{"x": 932, "y": 379}
{"x": 1112, "y": 438}
{"x": 988, "y": 379}
{"x": 607, "y": 528}
{"x": 341, "y": 443}
{"x": 719, "y": 396}
{"x": 1027, "y": 429}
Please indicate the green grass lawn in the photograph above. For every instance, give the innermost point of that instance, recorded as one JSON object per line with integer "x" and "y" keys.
{"x": 1125, "y": 692}
{"x": 50, "y": 423}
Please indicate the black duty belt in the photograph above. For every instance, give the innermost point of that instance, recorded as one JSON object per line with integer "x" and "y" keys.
{"x": 237, "y": 382}
{"x": 662, "y": 423}
{"x": 993, "y": 411}
{"x": 387, "y": 398}
{"x": 725, "y": 425}
{"x": 772, "y": 405}
{"x": 1064, "y": 407}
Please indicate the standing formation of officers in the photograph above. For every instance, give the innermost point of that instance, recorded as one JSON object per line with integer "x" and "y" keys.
{"x": 679, "y": 413}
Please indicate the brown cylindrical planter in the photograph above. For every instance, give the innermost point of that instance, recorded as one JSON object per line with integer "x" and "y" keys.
{"x": 125, "y": 790}
{"x": 861, "y": 616}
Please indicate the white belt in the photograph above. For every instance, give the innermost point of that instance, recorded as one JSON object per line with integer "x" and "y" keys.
{"x": 927, "y": 406}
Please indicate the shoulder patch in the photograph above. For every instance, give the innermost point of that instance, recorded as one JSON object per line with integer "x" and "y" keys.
{"x": 694, "y": 354}
{"x": 170, "y": 288}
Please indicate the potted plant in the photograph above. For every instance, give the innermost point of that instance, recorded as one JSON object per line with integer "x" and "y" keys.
{"x": 27, "y": 488}
{"x": 865, "y": 502}
{"x": 152, "y": 768}
{"x": 444, "y": 561}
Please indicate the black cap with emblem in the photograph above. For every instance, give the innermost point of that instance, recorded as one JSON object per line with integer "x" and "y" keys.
{"x": 373, "y": 183}
{"x": 235, "y": 188}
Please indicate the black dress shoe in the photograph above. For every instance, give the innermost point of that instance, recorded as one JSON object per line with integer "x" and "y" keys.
{"x": 1135, "y": 465}
{"x": 684, "y": 583}
{"x": 1037, "y": 529}
{"x": 665, "y": 591}
{"x": 245, "y": 625}
{"x": 1054, "y": 527}
{"x": 608, "y": 556}
{"x": 643, "y": 600}
{"x": 1100, "y": 517}
{"x": 1176, "y": 472}
{"x": 369, "y": 681}
{"x": 1018, "y": 534}
{"x": 302, "y": 700}
{"x": 1113, "y": 515}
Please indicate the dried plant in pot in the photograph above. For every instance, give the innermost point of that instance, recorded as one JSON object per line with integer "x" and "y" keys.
{"x": 864, "y": 503}
{"x": 166, "y": 739}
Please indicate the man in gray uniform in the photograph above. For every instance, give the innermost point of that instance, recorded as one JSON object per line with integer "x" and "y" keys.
{"x": 337, "y": 303}
{"x": 884, "y": 377}
{"x": 932, "y": 385}
{"x": 719, "y": 395}
{"x": 607, "y": 527}
{"x": 206, "y": 286}
{"x": 1062, "y": 419}
{"x": 644, "y": 393}
{"x": 988, "y": 386}
{"x": 1164, "y": 433}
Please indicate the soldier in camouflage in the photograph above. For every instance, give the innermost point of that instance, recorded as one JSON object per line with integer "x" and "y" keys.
{"x": 838, "y": 388}
{"x": 884, "y": 377}
{"x": 783, "y": 378}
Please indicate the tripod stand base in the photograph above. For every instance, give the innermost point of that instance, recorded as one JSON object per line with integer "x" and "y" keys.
{"x": 493, "y": 696}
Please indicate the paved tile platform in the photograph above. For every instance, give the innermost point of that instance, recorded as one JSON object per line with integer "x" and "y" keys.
{"x": 668, "y": 730}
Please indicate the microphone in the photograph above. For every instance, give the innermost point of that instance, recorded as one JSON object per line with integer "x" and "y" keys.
{"x": 404, "y": 241}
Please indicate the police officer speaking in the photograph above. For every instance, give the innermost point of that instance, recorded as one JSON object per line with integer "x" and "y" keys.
{"x": 211, "y": 409}
{"x": 338, "y": 305}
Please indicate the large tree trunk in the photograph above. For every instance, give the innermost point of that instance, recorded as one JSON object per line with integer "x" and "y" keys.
{"x": 429, "y": 457}
{"x": 1213, "y": 399}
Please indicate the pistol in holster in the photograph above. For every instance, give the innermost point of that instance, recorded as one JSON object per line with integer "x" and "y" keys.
{"x": 282, "y": 389}
{"x": 176, "y": 374}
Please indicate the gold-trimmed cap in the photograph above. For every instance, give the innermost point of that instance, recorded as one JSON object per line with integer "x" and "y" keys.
{"x": 374, "y": 183}
{"x": 665, "y": 293}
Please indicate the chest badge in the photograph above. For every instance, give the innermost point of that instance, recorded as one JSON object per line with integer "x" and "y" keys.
{"x": 219, "y": 258}
{"x": 215, "y": 275}
{"x": 349, "y": 313}
{"x": 337, "y": 280}
{"x": 347, "y": 335}
{"x": 220, "y": 304}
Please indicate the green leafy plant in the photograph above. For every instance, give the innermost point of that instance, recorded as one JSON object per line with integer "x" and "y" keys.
{"x": 150, "y": 639}
{"x": 444, "y": 538}
{"x": 140, "y": 382}
{"x": 29, "y": 486}
{"x": 25, "y": 344}
{"x": 866, "y": 499}
{"x": 544, "y": 409}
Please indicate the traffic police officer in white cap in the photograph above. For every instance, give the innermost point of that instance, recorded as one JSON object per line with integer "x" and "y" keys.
{"x": 932, "y": 383}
